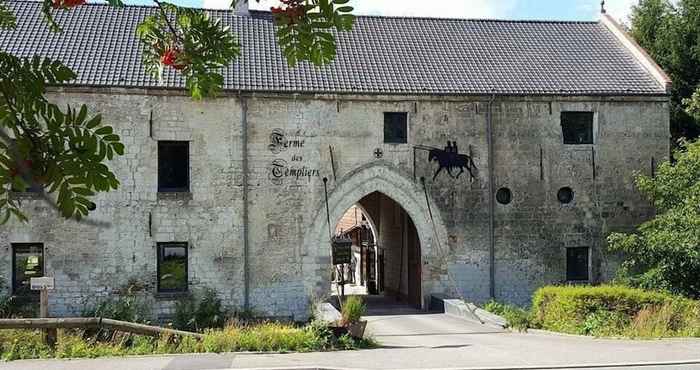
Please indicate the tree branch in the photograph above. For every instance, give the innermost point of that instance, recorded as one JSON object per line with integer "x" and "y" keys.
{"x": 167, "y": 21}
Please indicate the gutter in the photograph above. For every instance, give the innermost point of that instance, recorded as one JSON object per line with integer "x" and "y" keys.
{"x": 637, "y": 51}
{"x": 246, "y": 233}
{"x": 492, "y": 196}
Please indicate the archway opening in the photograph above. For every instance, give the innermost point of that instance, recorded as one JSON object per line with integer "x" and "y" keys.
{"x": 385, "y": 263}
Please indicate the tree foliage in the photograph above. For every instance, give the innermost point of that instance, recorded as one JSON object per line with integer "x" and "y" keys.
{"x": 46, "y": 148}
{"x": 62, "y": 154}
{"x": 664, "y": 253}
{"x": 670, "y": 32}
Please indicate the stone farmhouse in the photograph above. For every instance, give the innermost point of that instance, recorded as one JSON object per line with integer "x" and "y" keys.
{"x": 488, "y": 157}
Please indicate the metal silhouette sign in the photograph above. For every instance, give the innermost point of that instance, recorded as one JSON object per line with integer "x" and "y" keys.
{"x": 450, "y": 160}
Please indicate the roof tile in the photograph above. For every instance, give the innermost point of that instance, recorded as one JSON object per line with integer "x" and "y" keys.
{"x": 381, "y": 55}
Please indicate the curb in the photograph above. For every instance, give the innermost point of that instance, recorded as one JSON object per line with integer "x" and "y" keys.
{"x": 522, "y": 367}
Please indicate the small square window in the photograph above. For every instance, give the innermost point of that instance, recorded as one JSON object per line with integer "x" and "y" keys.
{"x": 172, "y": 267}
{"x": 395, "y": 128}
{"x": 577, "y": 264}
{"x": 577, "y": 127}
{"x": 173, "y": 166}
{"x": 27, "y": 263}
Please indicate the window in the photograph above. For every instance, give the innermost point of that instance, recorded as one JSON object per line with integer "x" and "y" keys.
{"x": 395, "y": 128}
{"x": 577, "y": 264}
{"x": 577, "y": 127}
{"x": 172, "y": 267}
{"x": 504, "y": 196}
{"x": 173, "y": 166}
{"x": 27, "y": 263}
{"x": 565, "y": 195}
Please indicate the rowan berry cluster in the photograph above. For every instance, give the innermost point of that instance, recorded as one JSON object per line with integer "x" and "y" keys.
{"x": 292, "y": 10}
{"x": 66, "y": 4}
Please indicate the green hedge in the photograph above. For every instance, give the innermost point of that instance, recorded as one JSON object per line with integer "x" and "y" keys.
{"x": 614, "y": 311}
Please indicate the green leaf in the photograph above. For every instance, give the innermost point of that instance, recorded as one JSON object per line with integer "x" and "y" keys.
{"x": 8, "y": 20}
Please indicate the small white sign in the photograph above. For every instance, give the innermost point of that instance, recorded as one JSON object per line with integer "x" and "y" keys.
{"x": 41, "y": 283}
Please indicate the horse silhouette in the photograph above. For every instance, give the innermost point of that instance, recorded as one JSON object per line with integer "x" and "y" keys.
{"x": 451, "y": 161}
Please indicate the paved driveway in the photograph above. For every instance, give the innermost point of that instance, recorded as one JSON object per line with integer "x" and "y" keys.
{"x": 426, "y": 331}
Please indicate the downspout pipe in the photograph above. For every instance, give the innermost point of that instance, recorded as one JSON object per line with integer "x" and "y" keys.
{"x": 246, "y": 233}
{"x": 492, "y": 199}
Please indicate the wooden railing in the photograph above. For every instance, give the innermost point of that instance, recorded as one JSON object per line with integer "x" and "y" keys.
{"x": 92, "y": 323}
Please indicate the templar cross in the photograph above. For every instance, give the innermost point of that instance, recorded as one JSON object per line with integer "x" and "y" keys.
{"x": 378, "y": 153}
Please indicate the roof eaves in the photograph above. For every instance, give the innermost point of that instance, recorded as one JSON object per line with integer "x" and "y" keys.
{"x": 637, "y": 51}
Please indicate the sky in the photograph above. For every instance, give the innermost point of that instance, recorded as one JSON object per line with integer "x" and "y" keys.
{"x": 500, "y": 9}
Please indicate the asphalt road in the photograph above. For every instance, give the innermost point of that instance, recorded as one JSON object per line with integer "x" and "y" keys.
{"x": 426, "y": 341}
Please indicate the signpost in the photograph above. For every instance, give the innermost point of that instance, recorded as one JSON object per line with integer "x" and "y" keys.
{"x": 341, "y": 247}
{"x": 44, "y": 284}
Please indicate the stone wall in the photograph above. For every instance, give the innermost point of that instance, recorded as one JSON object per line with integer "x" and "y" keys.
{"x": 290, "y": 141}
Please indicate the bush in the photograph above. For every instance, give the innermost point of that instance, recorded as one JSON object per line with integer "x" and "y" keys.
{"x": 614, "y": 311}
{"x": 516, "y": 317}
{"x": 12, "y": 306}
{"x": 352, "y": 311}
{"x": 129, "y": 305}
{"x": 664, "y": 253}
{"x": 199, "y": 312}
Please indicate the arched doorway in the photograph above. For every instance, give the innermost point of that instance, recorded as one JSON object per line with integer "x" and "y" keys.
{"x": 386, "y": 257}
{"x": 410, "y": 199}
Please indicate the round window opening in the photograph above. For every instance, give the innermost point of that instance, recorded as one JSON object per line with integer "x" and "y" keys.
{"x": 565, "y": 195}
{"x": 504, "y": 196}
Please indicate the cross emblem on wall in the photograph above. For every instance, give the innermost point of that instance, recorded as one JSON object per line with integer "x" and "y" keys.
{"x": 378, "y": 153}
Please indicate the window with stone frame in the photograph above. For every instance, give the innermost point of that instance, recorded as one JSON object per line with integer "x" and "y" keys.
{"x": 173, "y": 166}
{"x": 396, "y": 127}
{"x": 27, "y": 263}
{"x": 578, "y": 264}
{"x": 577, "y": 127}
{"x": 172, "y": 270}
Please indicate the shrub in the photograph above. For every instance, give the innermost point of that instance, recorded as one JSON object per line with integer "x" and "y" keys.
{"x": 129, "y": 305}
{"x": 614, "y": 311}
{"x": 352, "y": 311}
{"x": 199, "y": 312}
{"x": 516, "y": 317}
{"x": 664, "y": 253}
{"x": 12, "y": 306}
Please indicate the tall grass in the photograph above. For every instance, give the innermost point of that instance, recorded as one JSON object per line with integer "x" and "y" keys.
{"x": 266, "y": 337}
{"x": 615, "y": 311}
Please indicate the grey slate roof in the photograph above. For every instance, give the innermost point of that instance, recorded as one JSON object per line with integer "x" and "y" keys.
{"x": 382, "y": 55}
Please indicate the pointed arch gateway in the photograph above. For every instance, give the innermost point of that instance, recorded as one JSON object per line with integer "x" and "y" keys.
{"x": 388, "y": 187}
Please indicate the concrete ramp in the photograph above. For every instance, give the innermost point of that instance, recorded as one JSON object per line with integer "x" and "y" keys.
{"x": 427, "y": 330}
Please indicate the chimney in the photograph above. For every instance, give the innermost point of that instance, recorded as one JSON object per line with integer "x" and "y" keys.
{"x": 242, "y": 8}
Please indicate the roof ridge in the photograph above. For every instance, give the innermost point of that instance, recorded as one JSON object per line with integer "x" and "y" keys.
{"x": 499, "y": 20}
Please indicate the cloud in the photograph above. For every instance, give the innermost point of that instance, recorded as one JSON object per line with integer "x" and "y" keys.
{"x": 415, "y": 8}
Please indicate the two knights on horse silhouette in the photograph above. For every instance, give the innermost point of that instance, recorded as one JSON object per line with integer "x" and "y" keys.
{"x": 450, "y": 159}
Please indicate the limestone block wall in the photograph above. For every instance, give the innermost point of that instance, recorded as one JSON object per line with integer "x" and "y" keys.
{"x": 294, "y": 142}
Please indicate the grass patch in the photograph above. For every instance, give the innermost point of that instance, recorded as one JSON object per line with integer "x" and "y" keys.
{"x": 516, "y": 317}
{"x": 615, "y": 311}
{"x": 605, "y": 311}
{"x": 265, "y": 337}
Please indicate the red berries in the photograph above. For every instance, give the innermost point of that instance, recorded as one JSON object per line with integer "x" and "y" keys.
{"x": 171, "y": 58}
{"x": 292, "y": 12}
{"x": 67, "y": 4}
